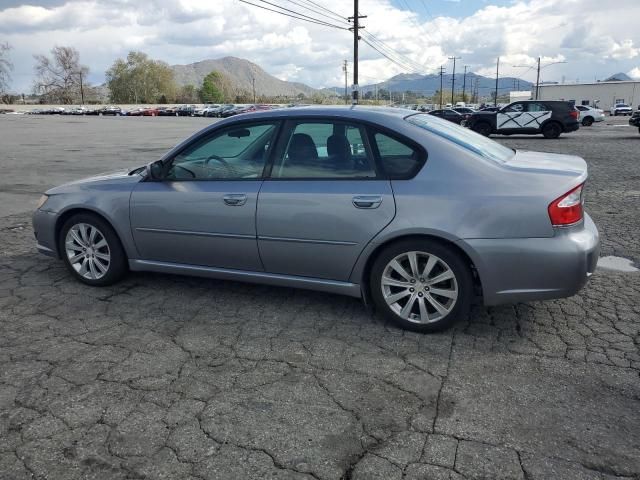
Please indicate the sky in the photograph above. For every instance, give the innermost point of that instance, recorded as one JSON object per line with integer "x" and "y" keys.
{"x": 594, "y": 39}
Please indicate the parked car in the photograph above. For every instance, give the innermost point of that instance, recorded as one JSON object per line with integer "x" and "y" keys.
{"x": 186, "y": 110}
{"x": 620, "y": 109}
{"x": 359, "y": 214}
{"x": 223, "y": 108}
{"x": 464, "y": 110}
{"x": 529, "y": 117}
{"x": 150, "y": 112}
{"x": 489, "y": 109}
{"x": 450, "y": 115}
{"x": 589, "y": 115}
{"x": 136, "y": 112}
{"x": 167, "y": 112}
{"x": 634, "y": 121}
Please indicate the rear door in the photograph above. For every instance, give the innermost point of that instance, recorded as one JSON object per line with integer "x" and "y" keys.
{"x": 323, "y": 201}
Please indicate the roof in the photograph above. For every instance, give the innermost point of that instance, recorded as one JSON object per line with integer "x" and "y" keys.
{"x": 350, "y": 111}
{"x": 616, "y": 82}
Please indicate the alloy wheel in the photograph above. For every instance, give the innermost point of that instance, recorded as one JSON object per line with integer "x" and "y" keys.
{"x": 88, "y": 251}
{"x": 419, "y": 287}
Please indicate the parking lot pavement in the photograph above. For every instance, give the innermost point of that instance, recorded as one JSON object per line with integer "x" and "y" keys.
{"x": 176, "y": 377}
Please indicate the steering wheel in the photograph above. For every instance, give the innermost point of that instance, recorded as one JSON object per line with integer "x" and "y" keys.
{"x": 193, "y": 175}
{"x": 222, "y": 161}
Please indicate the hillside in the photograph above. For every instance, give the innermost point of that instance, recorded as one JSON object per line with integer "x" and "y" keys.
{"x": 241, "y": 72}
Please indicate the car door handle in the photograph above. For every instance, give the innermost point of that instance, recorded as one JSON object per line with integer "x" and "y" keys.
{"x": 367, "y": 201}
{"x": 235, "y": 199}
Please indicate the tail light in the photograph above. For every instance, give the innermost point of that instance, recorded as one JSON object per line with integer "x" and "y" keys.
{"x": 567, "y": 209}
{"x": 574, "y": 114}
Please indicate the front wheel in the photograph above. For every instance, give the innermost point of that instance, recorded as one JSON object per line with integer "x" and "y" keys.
{"x": 421, "y": 285}
{"x": 91, "y": 250}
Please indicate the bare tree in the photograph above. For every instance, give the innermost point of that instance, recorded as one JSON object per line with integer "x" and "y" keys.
{"x": 61, "y": 78}
{"x": 5, "y": 67}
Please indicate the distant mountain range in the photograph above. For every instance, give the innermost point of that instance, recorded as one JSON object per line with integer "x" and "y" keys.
{"x": 430, "y": 84}
{"x": 242, "y": 73}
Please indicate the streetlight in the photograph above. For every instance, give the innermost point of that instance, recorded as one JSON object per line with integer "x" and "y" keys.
{"x": 538, "y": 75}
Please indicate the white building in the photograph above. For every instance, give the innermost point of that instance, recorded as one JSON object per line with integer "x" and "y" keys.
{"x": 519, "y": 95}
{"x": 598, "y": 94}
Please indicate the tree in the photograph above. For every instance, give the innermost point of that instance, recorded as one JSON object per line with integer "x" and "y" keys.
{"x": 61, "y": 78}
{"x": 5, "y": 67}
{"x": 215, "y": 88}
{"x": 187, "y": 94}
{"x": 140, "y": 79}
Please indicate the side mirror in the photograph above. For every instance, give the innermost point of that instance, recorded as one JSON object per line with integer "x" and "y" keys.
{"x": 155, "y": 170}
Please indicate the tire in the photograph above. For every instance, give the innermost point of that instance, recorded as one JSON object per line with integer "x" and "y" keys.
{"x": 587, "y": 121}
{"x": 92, "y": 270}
{"x": 483, "y": 128}
{"x": 422, "y": 316}
{"x": 551, "y": 130}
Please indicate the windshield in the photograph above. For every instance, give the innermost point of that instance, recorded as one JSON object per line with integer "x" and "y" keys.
{"x": 464, "y": 137}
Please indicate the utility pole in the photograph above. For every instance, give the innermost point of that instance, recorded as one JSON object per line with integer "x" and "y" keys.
{"x": 464, "y": 82}
{"x": 495, "y": 100}
{"x": 453, "y": 78}
{"x": 81, "y": 88}
{"x": 538, "y": 79}
{"x": 356, "y": 25}
{"x": 346, "y": 74}
{"x": 441, "y": 73}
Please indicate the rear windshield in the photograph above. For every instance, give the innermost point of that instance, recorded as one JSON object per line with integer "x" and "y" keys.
{"x": 464, "y": 137}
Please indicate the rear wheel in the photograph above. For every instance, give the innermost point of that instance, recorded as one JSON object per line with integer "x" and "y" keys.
{"x": 551, "y": 130}
{"x": 483, "y": 128}
{"x": 421, "y": 285}
{"x": 91, "y": 250}
{"x": 587, "y": 121}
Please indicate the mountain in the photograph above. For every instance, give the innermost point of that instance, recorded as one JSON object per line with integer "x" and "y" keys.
{"x": 619, "y": 77}
{"x": 242, "y": 73}
{"x": 429, "y": 84}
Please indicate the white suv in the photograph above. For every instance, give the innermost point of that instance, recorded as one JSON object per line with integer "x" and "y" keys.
{"x": 621, "y": 109}
{"x": 588, "y": 115}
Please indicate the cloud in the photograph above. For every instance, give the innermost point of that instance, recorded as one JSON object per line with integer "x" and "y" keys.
{"x": 634, "y": 73}
{"x": 593, "y": 42}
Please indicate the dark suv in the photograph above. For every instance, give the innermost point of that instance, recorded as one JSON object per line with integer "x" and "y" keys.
{"x": 530, "y": 117}
{"x": 634, "y": 121}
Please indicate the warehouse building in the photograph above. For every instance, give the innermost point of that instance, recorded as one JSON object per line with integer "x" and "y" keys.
{"x": 598, "y": 94}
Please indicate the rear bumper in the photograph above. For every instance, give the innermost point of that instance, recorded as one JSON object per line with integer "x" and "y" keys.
{"x": 526, "y": 269}
{"x": 571, "y": 127}
{"x": 44, "y": 229}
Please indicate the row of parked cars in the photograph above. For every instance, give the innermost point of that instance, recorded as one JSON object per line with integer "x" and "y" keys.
{"x": 529, "y": 117}
{"x": 221, "y": 111}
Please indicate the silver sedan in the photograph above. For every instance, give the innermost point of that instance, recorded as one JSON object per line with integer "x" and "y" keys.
{"x": 407, "y": 211}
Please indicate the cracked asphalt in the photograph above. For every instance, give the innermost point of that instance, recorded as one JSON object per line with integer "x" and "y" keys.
{"x": 167, "y": 377}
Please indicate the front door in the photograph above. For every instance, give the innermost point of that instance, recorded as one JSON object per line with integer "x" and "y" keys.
{"x": 323, "y": 201}
{"x": 203, "y": 211}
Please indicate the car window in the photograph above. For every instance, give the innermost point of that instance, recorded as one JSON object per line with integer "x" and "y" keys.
{"x": 398, "y": 159}
{"x": 581, "y": 108}
{"x": 463, "y": 137}
{"x": 514, "y": 107}
{"x": 235, "y": 153}
{"x": 537, "y": 107}
{"x": 325, "y": 150}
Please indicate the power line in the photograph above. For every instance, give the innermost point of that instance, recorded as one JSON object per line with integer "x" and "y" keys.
{"x": 401, "y": 58}
{"x": 301, "y": 17}
{"x": 391, "y": 59}
{"x": 331, "y": 13}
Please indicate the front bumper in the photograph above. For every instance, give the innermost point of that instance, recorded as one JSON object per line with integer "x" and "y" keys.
{"x": 44, "y": 229}
{"x": 526, "y": 269}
